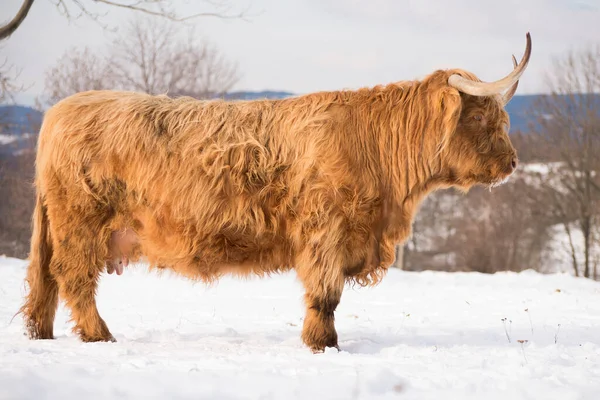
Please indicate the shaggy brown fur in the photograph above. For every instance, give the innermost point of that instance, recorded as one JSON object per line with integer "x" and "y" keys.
{"x": 326, "y": 183}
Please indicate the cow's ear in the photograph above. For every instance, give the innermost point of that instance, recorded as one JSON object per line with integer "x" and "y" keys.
{"x": 448, "y": 107}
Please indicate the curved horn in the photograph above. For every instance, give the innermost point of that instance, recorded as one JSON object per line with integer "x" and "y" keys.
{"x": 511, "y": 92}
{"x": 490, "y": 88}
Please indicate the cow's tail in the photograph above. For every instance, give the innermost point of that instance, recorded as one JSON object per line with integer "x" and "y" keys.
{"x": 41, "y": 301}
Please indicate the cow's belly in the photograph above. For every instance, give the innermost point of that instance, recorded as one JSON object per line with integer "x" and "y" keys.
{"x": 205, "y": 256}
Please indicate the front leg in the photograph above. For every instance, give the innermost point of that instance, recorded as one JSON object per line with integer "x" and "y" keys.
{"x": 324, "y": 284}
{"x": 319, "y": 328}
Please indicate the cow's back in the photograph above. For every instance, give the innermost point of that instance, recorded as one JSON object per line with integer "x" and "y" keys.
{"x": 200, "y": 181}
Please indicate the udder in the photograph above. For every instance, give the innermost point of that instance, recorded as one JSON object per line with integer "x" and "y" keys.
{"x": 121, "y": 248}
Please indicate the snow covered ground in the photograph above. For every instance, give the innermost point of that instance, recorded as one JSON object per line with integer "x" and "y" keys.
{"x": 426, "y": 335}
{"x": 6, "y": 139}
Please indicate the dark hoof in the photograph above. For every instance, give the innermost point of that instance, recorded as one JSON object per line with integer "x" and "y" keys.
{"x": 92, "y": 339}
{"x": 34, "y": 332}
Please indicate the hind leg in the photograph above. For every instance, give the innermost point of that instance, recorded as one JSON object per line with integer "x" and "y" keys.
{"x": 77, "y": 279}
{"x": 41, "y": 303}
{"x": 80, "y": 242}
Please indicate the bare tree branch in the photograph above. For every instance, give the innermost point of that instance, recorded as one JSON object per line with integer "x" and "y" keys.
{"x": 9, "y": 28}
{"x": 8, "y": 78}
{"x": 152, "y": 59}
{"x": 77, "y": 71}
{"x": 74, "y": 9}
{"x": 158, "y": 8}
{"x": 165, "y": 12}
{"x": 150, "y": 56}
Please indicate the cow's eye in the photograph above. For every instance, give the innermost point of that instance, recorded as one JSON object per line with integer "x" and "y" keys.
{"x": 478, "y": 117}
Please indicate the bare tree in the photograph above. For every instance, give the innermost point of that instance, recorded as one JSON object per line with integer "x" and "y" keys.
{"x": 428, "y": 247}
{"x": 77, "y": 71}
{"x": 568, "y": 128}
{"x": 502, "y": 230}
{"x": 73, "y": 9}
{"x": 151, "y": 57}
{"x": 8, "y": 82}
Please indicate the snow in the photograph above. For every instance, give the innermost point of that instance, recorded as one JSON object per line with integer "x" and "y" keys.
{"x": 538, "y": 168}
{"x": 6, "y": 139}
{"x": 418, "y": 335}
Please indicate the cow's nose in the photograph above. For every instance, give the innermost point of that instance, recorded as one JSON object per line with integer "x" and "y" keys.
{"x": 514, "y": 162}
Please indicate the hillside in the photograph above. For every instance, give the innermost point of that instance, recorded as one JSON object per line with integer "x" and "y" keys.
{"x": 19, "y": 126}
{"x": 18, "y": 120}
{"x": 519, "y": 110}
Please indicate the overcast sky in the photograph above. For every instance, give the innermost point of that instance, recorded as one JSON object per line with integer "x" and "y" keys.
{"x": 309, "y": 45}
